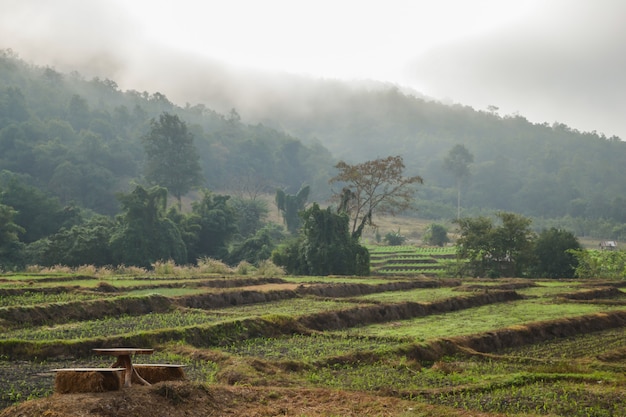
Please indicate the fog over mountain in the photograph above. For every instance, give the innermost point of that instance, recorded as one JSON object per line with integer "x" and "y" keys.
{"x": 563, "y": 60}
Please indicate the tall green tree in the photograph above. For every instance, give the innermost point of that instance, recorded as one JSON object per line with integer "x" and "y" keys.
{"x": 144, "y": 235}
{"x": 495, "y": 250}
{"x": 251, "y": 214}
{"x": 553, "y": 254}
{"x": 457, "y": 162}
{"x": 172, "y": 159}
{"x": 215, "y": 223}
{"x": 10, "y": 245}
{"x": 326, "y": 246}
{"x": 291, "y": 205}
{"x": 376, "y": 186}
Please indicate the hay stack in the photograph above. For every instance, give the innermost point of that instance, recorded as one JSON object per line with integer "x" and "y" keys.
{"x": 72, "y": 381}
{"x": 154, "y": 373}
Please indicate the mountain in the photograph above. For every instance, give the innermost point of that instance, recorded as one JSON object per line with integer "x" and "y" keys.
{"x": 546, "y": 171}
{"x": 79, "y": 140}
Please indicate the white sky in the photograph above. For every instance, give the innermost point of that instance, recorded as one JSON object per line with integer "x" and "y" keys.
{"x": 345, "y": 39}
{"x": 548, "y": 60}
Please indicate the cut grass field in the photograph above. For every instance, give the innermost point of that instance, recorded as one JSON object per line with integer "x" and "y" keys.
{"x": 437, "y": 346}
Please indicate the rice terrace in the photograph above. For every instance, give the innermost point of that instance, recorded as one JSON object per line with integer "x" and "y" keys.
{"x": 261, "y": 343}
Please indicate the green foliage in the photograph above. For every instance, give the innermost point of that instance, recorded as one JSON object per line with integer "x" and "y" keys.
{"x": 36, "y": 213}
{"x": 10, "y": 246}
{"x": 553, "y": 254}
{"x": 172, "y": 159}
{"x": 325, "y": 247}
{"x": 258, "y": 247}
{"x": 436, "y": 235}
{"x": 457, "y": 162}
{"x": 495, "y": 250}
{"x": 211, "y": 226}
{"x": 290, "y": 207}
{"x": 144, "y": 235}
{"x": 251, "y": 214}
{"x": 607, "y": 264}
{"x": 84, "y": 244}
{"x": 395, "y": 238}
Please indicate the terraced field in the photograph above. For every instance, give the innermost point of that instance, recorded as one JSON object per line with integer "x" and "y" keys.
{"x": 410, "y": 260}
{"x": 445, "y": 347}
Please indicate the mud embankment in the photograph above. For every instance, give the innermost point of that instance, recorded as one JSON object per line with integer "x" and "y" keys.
{"x": 57, "y": 313}
{"x": 23, "y": 316}
{"x": 362, "y": 315}
{"x": 593, "y": 294}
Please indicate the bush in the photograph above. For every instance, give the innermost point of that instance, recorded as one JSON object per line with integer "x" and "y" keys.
{"x": 436, "y": 235}
{"x": 552, "y": 251}
{"x": 395, "y": 238}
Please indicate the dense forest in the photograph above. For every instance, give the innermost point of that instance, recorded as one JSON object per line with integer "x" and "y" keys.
{"x": 548, "y": 171}
{"x": 72, "y": 152}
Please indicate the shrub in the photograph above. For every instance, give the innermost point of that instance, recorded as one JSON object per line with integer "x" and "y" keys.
{"x": 213, "y": 266}
{"x": 436, "y": 235}
{"x": 395, "y": 238}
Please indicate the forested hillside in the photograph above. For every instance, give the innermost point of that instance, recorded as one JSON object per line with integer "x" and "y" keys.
{"x": 80, "y": 140}
{"x": 72, "y": 147}
{"x": 546, "y": 170}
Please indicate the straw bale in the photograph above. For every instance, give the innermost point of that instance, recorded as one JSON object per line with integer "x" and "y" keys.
{"x": 72, "y": 381}
{"x": 154, "y": 373}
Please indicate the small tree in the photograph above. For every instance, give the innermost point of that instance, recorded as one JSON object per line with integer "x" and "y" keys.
{"x": 553, "y": 254}
{"x": 144, "y": 235}
{"x": 10, "y": 245}
{"x": 496, "y": 250}
{"x": 457, "y": 162}
{"x": 291, "y": 205}
{"x": 172, "y": 159}
{"x": 371, "y": 187}
{"x": 212, "y": 224}
{"x": 436, "y": 235}
{"x": 395, "y": 238}
{"x": 325, "y": 247}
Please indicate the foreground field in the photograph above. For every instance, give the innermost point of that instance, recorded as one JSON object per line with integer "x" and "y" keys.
{"x": 333, "y": 346}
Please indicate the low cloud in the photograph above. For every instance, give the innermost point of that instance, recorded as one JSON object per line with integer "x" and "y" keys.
{"x": 569, "y": 65}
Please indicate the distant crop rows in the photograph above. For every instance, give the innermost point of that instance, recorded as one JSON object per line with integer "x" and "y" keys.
{"x": 410, "y": 260}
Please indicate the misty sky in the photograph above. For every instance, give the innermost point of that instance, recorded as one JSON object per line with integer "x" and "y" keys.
{"x": 547, "y": 60}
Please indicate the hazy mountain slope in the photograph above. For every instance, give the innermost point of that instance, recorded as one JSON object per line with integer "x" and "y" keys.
{"x": 80, "y": 140}
{"x": 540, "y": 170}
{"x": 544, "y": 170}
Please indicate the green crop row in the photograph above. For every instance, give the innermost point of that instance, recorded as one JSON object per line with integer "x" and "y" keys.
{"x": 307, "y": 349}
{"x": 35, "y": 298}
{"x": 477, "y": 320}
{"x": 113, "y": 326}
{"x": 579, "y": 346}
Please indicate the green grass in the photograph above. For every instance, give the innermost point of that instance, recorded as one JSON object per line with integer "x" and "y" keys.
{"x": 307, "y": 349}
{"x": 292, "y": 307}
{"x": 113, "y": 326}
{"x": 335, "y": 280}
{"x": 476, "y": 320}
{"x": 419, "y": 295}
{"x": 576, "y": 347}
{"x": 38, "y": 298}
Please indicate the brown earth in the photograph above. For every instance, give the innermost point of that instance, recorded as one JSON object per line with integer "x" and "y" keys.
{"x": 178, "y": 399}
